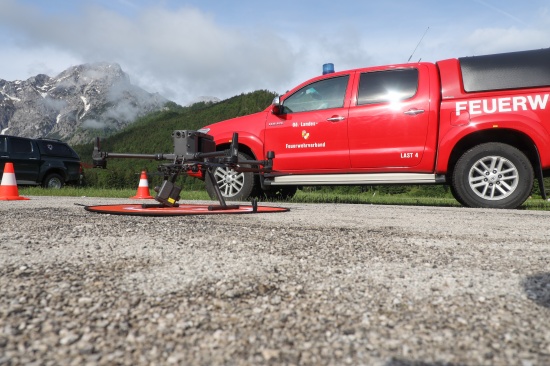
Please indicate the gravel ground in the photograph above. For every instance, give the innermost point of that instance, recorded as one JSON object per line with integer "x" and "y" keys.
{"x": 321, "y": 284}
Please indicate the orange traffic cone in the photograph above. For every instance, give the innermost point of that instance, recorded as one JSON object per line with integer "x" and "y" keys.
{"x": 143, "y": 188}
{"x": 8, "y": 187}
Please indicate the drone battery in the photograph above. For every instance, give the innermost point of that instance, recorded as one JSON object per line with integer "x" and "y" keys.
{"x": 189, "y": 143}
{"x": 168, "y": 194}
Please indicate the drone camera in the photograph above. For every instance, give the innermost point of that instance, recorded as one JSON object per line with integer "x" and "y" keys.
{"x": 189, "y": 144}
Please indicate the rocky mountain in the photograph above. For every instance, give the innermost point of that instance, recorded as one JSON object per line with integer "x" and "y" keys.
{"x": 81, "y": 102}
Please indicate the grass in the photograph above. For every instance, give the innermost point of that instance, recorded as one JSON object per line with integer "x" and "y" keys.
{"x": 401, "y": 199}
{"x": 533, "y": 203}
{"x": 370, "y": 198}
{"x": 99, "y": 192}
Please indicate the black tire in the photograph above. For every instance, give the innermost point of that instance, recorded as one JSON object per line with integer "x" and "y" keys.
{"x": 456, "y": 196}
{"x": 53, "y": 181}
{"x": 280, "y": 192}
{"x": 234, "y": 186}
{"x": 493, "y": 175}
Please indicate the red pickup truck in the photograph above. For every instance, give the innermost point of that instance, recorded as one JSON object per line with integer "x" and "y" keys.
{"x": 479, "y": 124}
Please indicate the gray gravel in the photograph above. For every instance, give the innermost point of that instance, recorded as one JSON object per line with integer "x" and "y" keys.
{"x": 321, "y": 284}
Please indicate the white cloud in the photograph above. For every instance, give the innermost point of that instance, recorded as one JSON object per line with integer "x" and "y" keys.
{"x": 184, "y": 49}
{"x": 23, "y": 62}
{"x": 501, "y": 11}
{"x": 494, "y": 40}
{"x": 93, "y": 124}
{"x": 184, "y": 52}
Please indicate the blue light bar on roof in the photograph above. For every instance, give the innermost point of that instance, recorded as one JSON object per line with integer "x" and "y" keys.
{"x": 328, "y": 68}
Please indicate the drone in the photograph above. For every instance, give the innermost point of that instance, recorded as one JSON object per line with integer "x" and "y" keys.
{"x": 195, "y": 154}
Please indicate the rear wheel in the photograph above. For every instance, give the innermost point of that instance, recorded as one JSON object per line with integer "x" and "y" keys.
{"x": 234, "y": 186}
{"x": 493, "y": 175}
{"x": 54, "y": 181}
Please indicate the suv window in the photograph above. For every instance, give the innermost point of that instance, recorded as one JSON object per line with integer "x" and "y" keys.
{"x": 323, "y": 94}
{"x": 3, "y": 145}
{"x": 54, "y": 148}
{"x": 21, "y": 146}
{"x": 387, "y": 86}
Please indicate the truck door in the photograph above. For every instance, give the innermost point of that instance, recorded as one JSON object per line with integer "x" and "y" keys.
{"x": 388, "y": 125}
{"x": 25, "y": 157}
{"x": 311, "y": 133}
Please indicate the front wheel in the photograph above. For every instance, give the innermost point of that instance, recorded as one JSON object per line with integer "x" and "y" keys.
{"x": 493, "y": 175}
{"x": 234, "y": 186}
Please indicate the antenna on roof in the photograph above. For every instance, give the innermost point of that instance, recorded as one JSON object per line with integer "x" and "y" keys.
{"x": 426, "y": 31}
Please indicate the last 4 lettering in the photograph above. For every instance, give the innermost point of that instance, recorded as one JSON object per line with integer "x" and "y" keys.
{"x": 409, "y": 155}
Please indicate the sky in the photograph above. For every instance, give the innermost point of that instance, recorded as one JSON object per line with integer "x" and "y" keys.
{"x": 185, "y": 50}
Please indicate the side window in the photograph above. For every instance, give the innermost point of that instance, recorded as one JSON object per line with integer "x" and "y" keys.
{"x": 21, "y": 146}
{"x": 3, "y": 145}
{"x": 322, "y": 94}
{"x": 55, "y": 149}
{"x": 387, "y": 86}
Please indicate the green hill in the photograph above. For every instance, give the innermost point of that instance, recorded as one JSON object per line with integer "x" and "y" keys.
{"x": 152, "y": 134}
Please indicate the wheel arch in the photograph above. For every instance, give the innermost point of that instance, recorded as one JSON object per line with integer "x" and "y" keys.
{"x": 53, "y": 170}
{"x": 242, "y": 148}
{"x": 249, "y": 144}
{"x": 510, "y": 137}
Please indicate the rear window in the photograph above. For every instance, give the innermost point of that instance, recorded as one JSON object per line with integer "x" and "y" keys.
{"x": 53, "y": 148}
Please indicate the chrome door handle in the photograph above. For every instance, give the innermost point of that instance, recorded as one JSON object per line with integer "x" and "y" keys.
{"x": 336, "y": 119}
{"x": 413, "y": 112}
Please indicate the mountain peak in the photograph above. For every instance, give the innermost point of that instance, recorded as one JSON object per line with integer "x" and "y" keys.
{"x": 74, "y": 104}
{"x": 94, "y": 70}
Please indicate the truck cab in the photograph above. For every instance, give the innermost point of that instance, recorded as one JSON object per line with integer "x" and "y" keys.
{"x": 365, "y": 126}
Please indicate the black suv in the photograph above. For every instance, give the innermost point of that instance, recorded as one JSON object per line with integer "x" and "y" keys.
{"x": 46, "y": 162}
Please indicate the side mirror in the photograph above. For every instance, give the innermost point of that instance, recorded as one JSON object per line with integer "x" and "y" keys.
{"x": 276, "y": 107}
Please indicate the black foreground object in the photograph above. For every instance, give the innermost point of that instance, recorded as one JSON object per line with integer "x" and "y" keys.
{"x": 194, "y": 153}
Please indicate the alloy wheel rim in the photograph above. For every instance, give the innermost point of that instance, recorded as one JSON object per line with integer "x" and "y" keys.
{"x": 229, "y": 181}
{"x": 493, "y": 178}
{"x": 54, "y": 183}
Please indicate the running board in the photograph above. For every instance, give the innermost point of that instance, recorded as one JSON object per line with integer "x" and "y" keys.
{"x": 356, "y": 179}
{"x": 26, "y": 182}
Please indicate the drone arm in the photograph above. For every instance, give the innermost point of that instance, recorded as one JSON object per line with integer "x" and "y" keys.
{"x": 100, "y": 157}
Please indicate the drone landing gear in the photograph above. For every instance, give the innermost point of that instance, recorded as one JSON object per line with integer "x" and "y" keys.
{"x": 168, "y": 195}
{"x": 222, "y": 205}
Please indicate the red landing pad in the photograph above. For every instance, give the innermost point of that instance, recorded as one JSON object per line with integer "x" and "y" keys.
{"x": 182, "y": 209}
